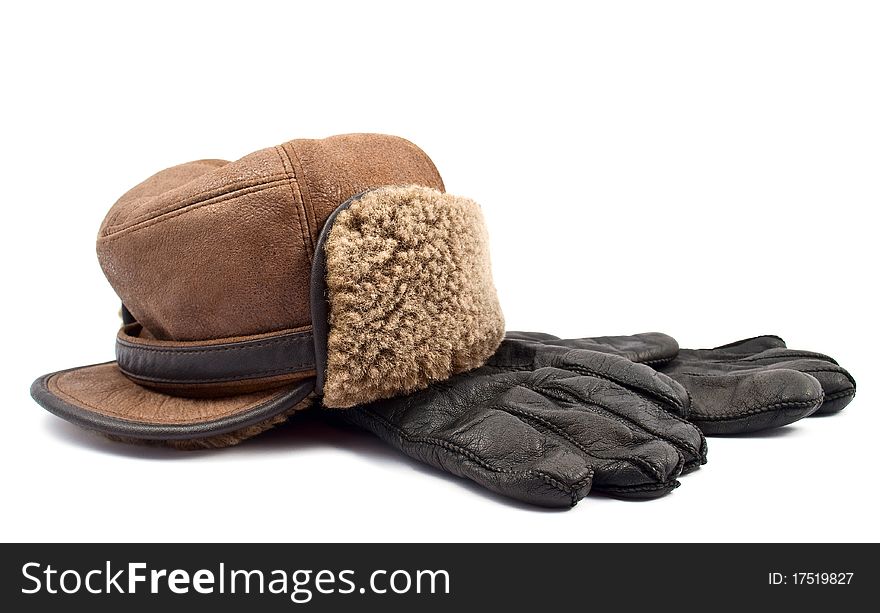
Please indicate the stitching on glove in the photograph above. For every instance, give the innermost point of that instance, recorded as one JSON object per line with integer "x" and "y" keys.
{"x": 783, "y": 357}
{"x": 667, "y": 485}
{"x": 640, "y": 464}
{"x": 633, "y": 426}
{"x": 842, "y": 394}
{"x": 742, "y": 342}
{"x": 587, "y": 372}
{"x": 570, "y": 490}
{"x": 834, "y": 396}
{"x": 655, "y": 362}
{"x": 761, "y": 409}
{"x": 696, "y": 462}
{"x": 841, "y": 371}
{"x": 582, "y": 370}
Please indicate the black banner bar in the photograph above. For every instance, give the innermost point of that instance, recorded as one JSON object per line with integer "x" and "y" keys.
{"x": 433, "y": 577}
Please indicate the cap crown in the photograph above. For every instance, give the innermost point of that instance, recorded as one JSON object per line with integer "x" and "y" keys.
{"x": 214, "y": 249}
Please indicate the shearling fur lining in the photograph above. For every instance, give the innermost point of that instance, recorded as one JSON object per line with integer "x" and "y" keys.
{"x": 410, "y": 291}
{"x": 219, "y": 441}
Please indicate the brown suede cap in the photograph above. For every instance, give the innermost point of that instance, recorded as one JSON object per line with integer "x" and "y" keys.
{"x": 213, "y": 262}
{"x": 213, "y": 249}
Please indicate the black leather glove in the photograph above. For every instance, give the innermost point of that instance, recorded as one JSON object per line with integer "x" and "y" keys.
{"x": 749, "y": 385}
{"x": 544, "y": 424}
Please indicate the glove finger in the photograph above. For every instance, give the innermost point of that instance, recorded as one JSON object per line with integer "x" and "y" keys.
{"x": 638, "y": 412}
{"x": 645, "y": 348}
{"x": 488, "y": 446}
{"x": 521, "y": 356}
{"x": 636, "y": 448}
{"x": 838, "y": 386}
{"x": 640, "y": 378}
{"x": 749, "y": 400}
{"x": 837, "y": 383}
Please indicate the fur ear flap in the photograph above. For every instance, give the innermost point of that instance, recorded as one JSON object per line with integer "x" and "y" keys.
{"x": 410, "y": 294}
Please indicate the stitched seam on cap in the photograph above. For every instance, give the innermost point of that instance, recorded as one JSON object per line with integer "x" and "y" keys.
{"x": 193, "y": 198}
{"x": 231, "y": 379}
{"x": 304, "y": 228}
{"x": 300, "y": 214}
{"x": 305, "y": 193}
{"x": 299, "y": 339}
{"x": 113, "y": 226}
{"x": 194, "y": 207}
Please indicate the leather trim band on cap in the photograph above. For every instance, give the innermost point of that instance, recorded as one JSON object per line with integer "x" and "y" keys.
{"x": 265, "y": 355}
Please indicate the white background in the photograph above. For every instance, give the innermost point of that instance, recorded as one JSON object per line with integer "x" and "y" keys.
{"x": 706, "y": 170}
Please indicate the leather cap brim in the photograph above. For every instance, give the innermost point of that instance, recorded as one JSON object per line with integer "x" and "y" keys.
{"x": 99, "y": 397}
